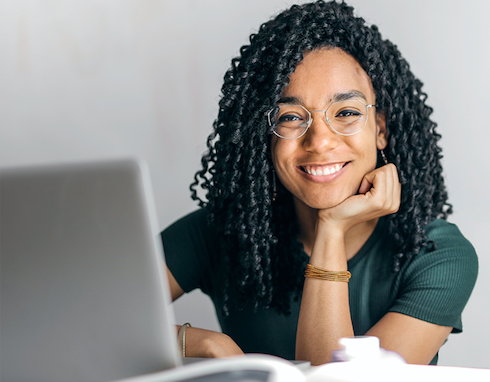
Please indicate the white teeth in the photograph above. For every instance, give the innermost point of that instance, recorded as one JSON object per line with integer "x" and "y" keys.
{"x": 325, "y": 171}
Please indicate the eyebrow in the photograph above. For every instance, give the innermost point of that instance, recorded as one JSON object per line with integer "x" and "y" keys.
{"x": 345, "y": 96}
{"x": 336, "y": 98}
{"x": 290, "y": 100}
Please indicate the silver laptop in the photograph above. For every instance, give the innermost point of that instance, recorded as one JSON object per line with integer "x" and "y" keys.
{"x": 84, "y": 294}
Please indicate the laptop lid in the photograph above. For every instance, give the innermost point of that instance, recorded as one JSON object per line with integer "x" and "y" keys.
{"x": 84, "y": 295}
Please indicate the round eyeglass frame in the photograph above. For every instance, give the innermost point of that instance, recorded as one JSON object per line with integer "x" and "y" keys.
{"x": 310, "y": 118}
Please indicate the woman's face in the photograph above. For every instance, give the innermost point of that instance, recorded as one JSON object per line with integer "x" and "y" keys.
{"x": 322, "y": 76}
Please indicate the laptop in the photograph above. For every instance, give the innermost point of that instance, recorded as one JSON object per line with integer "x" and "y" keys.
{"x": 84, "y": 294}
{"x": 83, "y": 290}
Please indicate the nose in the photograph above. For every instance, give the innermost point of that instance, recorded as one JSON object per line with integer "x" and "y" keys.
{"x": 320, "y": 137}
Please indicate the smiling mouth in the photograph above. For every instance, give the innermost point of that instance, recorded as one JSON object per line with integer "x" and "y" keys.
{"x": 323, "y": 170}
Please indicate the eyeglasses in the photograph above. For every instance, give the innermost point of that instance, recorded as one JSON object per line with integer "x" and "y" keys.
{"x": 344, "y": 117}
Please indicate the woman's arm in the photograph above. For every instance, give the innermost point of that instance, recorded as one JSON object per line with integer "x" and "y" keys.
{"x": 416, "y": 340}
{"x": 201, "y": 342}
{"x": 175, "y": 290}
{"x": 325, "y": 315}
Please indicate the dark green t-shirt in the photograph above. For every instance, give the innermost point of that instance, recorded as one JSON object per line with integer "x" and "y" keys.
{"x": 434, "y": 286}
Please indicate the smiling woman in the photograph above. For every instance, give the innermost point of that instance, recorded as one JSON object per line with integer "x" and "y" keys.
{"x": 323, "y": 163}
{"x": 324, "y": 168}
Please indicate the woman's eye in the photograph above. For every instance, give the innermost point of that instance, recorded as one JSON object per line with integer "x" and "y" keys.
{"x": 289, "y": 118}
{"x": 348, "y": 113}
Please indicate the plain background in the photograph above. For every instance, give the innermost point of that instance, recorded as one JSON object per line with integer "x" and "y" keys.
{"x": 86, "y": 80}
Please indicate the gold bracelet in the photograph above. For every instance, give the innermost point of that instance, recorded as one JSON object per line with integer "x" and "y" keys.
{"x": 182, "y": 337}
{"x": 323, "y": 274}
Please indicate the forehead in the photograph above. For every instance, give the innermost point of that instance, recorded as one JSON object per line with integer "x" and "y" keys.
{"x": 324, "y": 74}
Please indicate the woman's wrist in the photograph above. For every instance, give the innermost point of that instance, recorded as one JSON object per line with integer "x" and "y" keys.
{"x": 204, "y": 343}
{"x": 182, "y": 338}
{"x": 329, "y": 251}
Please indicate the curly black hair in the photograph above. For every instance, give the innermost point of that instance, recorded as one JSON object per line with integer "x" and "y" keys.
{"x": 262, "y": 259}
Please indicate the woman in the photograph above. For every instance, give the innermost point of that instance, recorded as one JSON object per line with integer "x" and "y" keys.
{"x": 323, "y": 163}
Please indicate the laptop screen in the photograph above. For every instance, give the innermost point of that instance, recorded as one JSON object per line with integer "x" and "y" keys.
{"x": 84, "y": 295}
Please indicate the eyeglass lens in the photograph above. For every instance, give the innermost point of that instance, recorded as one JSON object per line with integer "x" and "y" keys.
{"x": 344, "y": 117}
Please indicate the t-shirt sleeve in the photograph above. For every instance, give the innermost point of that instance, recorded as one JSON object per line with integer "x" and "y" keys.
{"x": 188, "y": 244}
{"x": 436, "y": 285}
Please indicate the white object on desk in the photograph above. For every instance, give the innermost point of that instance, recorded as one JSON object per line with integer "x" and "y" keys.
{"x": 253, "y": 368}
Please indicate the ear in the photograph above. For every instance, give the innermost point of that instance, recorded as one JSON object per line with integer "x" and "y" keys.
{"x": 382, "y": 133}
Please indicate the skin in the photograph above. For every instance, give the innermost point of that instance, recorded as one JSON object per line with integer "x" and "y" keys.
{"x": 336, "y": 214}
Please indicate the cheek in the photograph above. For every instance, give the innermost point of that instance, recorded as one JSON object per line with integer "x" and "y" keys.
{"x": 365, "y": 145}
{"x": 273, "y": 146}
{"x": 369, "y": 162}
{"x": 280, "y": 152}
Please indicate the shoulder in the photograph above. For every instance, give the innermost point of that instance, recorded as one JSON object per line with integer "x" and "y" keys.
{"x": 191, "y": 250}
{"x": 437, "y": 283}
{"x": 189, "y": 234}
{"x": 449, "y": 242}
{"x": 192, "y": 227}
{"x": 451, "y": 263}
{"x": 442, "y": 230}
{"x": 194, "y": 220}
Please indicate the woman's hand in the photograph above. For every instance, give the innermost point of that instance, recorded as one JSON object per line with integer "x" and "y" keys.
{"x": 209, "y": 344}
{"x": 379, "y": 195}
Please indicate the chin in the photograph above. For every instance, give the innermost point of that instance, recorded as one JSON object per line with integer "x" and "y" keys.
{"x": 323, "y": 204}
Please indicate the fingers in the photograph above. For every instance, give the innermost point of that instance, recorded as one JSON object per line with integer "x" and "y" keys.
{"x": 378, "y": 195}
{"x": 383, "y": 189}
{"x": 365, "y": 186}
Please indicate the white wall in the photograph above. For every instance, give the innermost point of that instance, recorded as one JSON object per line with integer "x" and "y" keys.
{"x": 101, "y": 79}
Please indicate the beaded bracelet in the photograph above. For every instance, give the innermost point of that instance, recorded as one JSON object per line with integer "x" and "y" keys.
{"x": 182, "y": 337}
{"x": 323, "y": 274}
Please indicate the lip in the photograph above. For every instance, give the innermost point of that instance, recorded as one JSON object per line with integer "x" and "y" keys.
{"x": 323, "y": 178}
